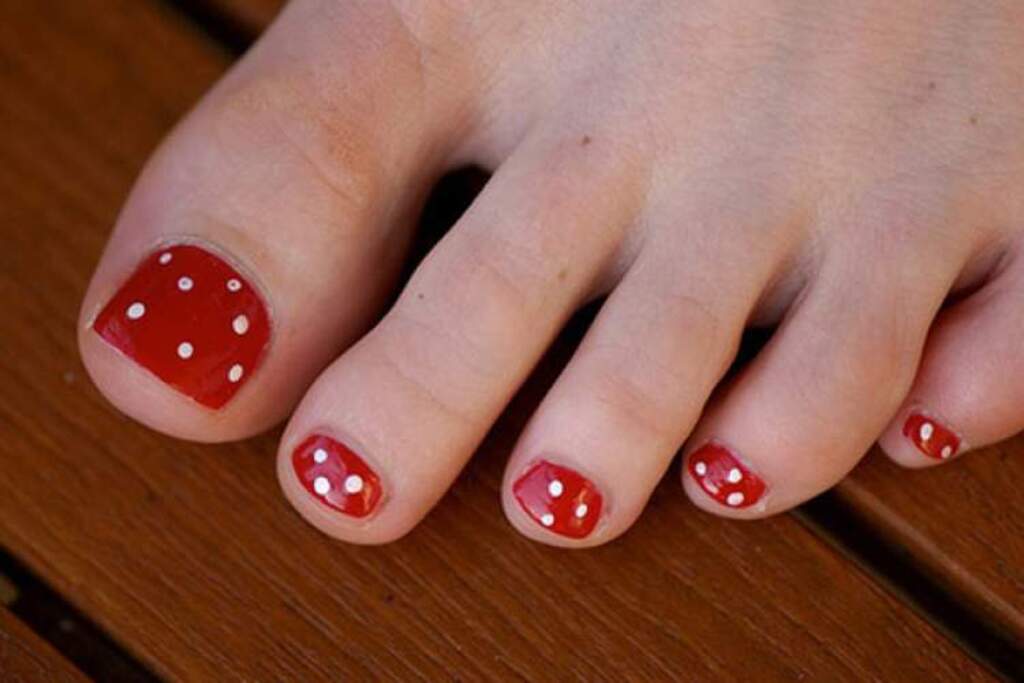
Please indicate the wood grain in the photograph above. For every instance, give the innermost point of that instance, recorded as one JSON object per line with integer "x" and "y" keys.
{"x": 188, "y": 554}
{"x": 961, "y": 524}
{"x": 25, "y": 658}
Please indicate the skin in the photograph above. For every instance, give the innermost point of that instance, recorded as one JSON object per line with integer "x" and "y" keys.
{"x": 841, "y": 169}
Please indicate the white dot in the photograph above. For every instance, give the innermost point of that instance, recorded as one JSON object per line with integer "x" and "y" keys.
{"x": 234, "y": 285}
{"x": 555, "y": 488}
{"x": 319, "y": 456}
{"x": 734, "y": 499}
{"x": 735, "y": 475}
{"x": 926, "y": 431}
{"x": 548, "y": 519}
{"x": 185, "y": 350}
{"x": 240, "y": 324}
{"x": 700, "y": 468}
{"x": 136, "y": 311}
{"x": 322, "y": 486}
{"x": 185, "y": 284}
{"x": 946, "y": 452}
{"x": 581, "y": 511}
{"x": 353, "y": 484}
{"x": 165, "y": 258}
{"x": 235, "y": 373}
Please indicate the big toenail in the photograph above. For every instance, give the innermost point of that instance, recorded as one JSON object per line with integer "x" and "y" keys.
{"x": 931, "y": 437}
{"x": 337, "y": 477}
{"x": 559, "y": 499}
{"x": 176, "y": 317}
{"x": 723, "y": 477}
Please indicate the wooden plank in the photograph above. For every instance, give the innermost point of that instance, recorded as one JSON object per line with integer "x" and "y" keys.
{"x": 961, "y": 524}
{"x": 26, "y": 658}
{"x": 188, "y": 554}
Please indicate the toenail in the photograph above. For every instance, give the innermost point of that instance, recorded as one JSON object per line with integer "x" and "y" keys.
{"x": 559, "y": 499}
{"x": 931, "y": 437}
{"x": 336, "y": 476}
{"x": 176, "y": 317}
{"x": 722, "y": 476}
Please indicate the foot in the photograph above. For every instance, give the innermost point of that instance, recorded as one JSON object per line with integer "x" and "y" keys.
{"x": 852, "y": 173}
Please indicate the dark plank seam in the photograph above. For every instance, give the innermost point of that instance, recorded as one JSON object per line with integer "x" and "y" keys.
{"x": 885, "y": 564}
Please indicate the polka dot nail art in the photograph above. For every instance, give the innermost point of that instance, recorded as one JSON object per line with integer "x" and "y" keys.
{"x": 931, "y": 437}
{"x": 724, "y": 478}
{"x": 190, "y": 319}
{"x": 333, "y": 474}
{"x": 559, "y": 499}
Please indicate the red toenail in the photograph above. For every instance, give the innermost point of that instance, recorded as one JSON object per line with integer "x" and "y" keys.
{"x": 192, "y": 320}
{"x": 722, "y": 476}
{"x": 336, "y": 476}
{"x": 931, "y": 438}
{"x": 559, "y": 499}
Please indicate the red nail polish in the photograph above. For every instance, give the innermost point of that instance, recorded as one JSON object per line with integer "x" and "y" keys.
{"x": 336, "y": 476}
{"x": 559, "y": 499}
{"x": 190, "y": 319}
{"x": 722, "y": 476}
{"x": 931, "y": 438}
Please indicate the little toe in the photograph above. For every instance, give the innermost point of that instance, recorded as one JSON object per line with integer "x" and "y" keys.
{"x": 266, "y": 233}
{"x": 967, "y": 392}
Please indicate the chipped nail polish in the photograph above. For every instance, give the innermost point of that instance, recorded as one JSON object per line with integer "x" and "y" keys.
{"x": 722, "y": 476}
{"x": 931, "y": 437}
{"x": 336, "y": 476}
{"x": 559, "y": 499}
{"x": 190, "y": 319}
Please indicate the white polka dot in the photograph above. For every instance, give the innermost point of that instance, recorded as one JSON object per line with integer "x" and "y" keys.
{"x": 581, "y": 511}
{"x": 926, "y": 431}
{"x": 734, "y": 499}
{"x": 185, "y": 350}
{"x": 700, "y": 468}
{"x": 234, "y": 285}
{"x": 709, "y": 486}
{"x": 353, "y": 484}
{"x": 322, "y": 486}
{"x": 240, "y": 324}
{"x": 555, "y": 488}
{"x": 235, "y": 373}
{"x": 946, "y": 452}
{"x": 185, "y": 284}
{"x": 136, "y": 310}
{"x": 165, "y": 258}
{"x": 548, "y": 519}
{"x": 735, "y": 475}
{"x": 319, "y": 456}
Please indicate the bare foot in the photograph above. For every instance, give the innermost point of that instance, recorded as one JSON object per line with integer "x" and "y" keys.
{"x": 840, "y": 169}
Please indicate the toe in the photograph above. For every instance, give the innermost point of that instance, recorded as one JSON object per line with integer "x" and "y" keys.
{"x": 623, "y": 406}
{"x": 264, "y": 235}
{"x": 801, "y": 415}
{"x": 967, "y": 392}
{"x": 415, "y": 397}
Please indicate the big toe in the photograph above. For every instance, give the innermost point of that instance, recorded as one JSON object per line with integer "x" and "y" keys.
{"x": 266, "y": 233}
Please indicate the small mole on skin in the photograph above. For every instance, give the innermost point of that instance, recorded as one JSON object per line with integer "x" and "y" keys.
{"x": 419, "y": 295}
{"x": 563, "y": 273}
{"x": 585, "y": 141}
{"x": 931, "y": 85}
{"x": 974, "y": 119}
